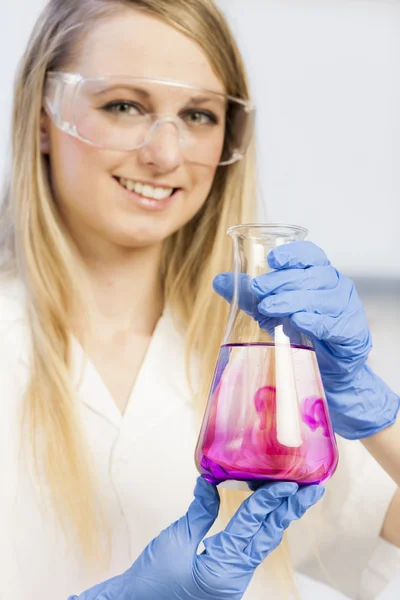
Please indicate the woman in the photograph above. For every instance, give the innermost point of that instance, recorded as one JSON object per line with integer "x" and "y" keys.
{"x": 111, "y": 237}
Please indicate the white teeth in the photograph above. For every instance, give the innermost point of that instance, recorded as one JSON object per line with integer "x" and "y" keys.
{"x": 159, "y": 193}
{"x": 138, "y": 188}
{"x": 147, "y": 191}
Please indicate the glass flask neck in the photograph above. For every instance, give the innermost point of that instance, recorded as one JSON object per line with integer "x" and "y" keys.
{"x": 252, "y": 244}
{"x": 268, "y": 235}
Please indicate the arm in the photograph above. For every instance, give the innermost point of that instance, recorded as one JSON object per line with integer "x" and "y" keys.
{"x": 391, "y": 526}
{"x": 385, "y": 448}
{"x": 305, "y": 289}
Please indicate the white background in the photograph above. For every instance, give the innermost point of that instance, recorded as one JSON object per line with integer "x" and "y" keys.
{"x": 326, "y": 79}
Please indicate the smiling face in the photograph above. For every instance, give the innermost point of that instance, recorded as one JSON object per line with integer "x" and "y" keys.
{"x": 135, "y": 198}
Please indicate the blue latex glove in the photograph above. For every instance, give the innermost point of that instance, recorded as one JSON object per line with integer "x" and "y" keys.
{"x": 170, "y": 568}
{"x": 311, "y": 296}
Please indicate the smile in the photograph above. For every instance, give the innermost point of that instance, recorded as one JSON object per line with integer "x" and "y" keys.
{"x": 146, "y": 190}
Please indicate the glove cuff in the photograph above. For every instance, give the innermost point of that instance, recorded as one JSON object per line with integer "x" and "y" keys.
{"x": 364, "y": 408}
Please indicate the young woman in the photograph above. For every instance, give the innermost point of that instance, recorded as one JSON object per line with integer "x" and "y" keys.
{"x": 132, "y": 155}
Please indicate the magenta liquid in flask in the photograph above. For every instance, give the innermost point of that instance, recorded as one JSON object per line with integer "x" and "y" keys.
{"x": 266, "y": 416}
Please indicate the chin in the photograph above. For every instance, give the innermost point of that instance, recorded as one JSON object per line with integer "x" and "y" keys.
{"x": 139, "y": 239}
{"x": 135, "y": 235}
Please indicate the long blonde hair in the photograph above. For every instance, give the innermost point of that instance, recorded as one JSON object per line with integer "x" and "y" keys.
{"x": 34, "y": 243}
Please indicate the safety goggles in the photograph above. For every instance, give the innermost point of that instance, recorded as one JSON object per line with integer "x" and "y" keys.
{"x": 120, "y": 113}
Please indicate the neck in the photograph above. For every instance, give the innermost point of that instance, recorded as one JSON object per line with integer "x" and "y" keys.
{"x": 125, "y": 291}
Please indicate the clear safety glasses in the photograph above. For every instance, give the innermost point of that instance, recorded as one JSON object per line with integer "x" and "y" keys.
{"x": 122, "y": 113}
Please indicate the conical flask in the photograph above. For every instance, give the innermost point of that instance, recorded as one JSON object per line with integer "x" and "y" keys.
{"x": 266, "y": 417}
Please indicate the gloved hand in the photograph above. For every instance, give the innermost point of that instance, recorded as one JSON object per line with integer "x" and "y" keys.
{"x": 318, "y": 301}
{"x": 170, "y": 568}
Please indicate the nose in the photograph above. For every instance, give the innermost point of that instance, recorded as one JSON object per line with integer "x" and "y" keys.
{"x": 163, "y": 146}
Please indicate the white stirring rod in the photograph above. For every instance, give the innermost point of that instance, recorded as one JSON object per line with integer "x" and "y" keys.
{"x": 288, "y": 430}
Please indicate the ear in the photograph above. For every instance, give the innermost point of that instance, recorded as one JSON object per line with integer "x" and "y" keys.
{"x": 44, "y": 132}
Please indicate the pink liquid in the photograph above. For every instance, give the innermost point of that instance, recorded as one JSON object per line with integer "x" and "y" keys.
{"x": 239, "y": 436}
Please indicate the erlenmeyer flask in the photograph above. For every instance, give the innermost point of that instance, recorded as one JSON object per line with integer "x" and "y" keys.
{"x": 266, "y": 416}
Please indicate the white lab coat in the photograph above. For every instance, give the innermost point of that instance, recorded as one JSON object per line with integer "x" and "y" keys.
{"x": 144, "y": 463}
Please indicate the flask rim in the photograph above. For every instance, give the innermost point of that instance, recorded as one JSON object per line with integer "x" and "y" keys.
{"x": 270, "y": 229}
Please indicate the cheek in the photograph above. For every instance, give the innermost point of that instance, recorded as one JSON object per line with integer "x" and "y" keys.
{"x": 194, "y": 199}
{"x": 201, "y": 188}
{"x": 78, "y": 173}
{"x": 70, "y": 161}
{"x": 68, "y": 166}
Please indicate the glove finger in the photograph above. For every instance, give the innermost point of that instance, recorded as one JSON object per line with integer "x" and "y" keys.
{"x": 319, "y": 326}
{"x": 292, "y": 508}
{"x": 226, "y": 547}
{"x": 314, "y": 278}
{"x": 201, "y": 513}
{"x": 223, "y": 284}
{"x": 322, "y": 302}
{"x": 350, "y": 333}
{"x": 248, "y": 302}
{"x": 298, "y": 255}
{"x": 252, "y": 512}
{"x": 268, "y": 324}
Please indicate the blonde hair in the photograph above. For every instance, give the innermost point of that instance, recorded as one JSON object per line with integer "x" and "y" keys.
{"x": 34, "y": 243}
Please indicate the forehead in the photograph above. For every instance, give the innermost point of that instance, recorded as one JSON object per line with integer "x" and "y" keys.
{"x": 138, "y": 45}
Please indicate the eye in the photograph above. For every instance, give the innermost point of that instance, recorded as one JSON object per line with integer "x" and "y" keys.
{"x": 123, "y": 108}
{"x": 200, "y": 117}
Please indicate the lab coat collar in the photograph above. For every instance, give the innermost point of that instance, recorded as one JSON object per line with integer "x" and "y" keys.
{"x": 161, "y": 380}
{"x": 160, "y": 389}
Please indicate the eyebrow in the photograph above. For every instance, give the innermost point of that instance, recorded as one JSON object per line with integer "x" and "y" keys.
{"x": 129, "y": 88}
{"x": 200, "y": 100}
{"x": 195, "y": 100}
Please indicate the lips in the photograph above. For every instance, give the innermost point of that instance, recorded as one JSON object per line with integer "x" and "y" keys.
{"x": 148, "y": 203}
{"x": 146, "y": 190}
